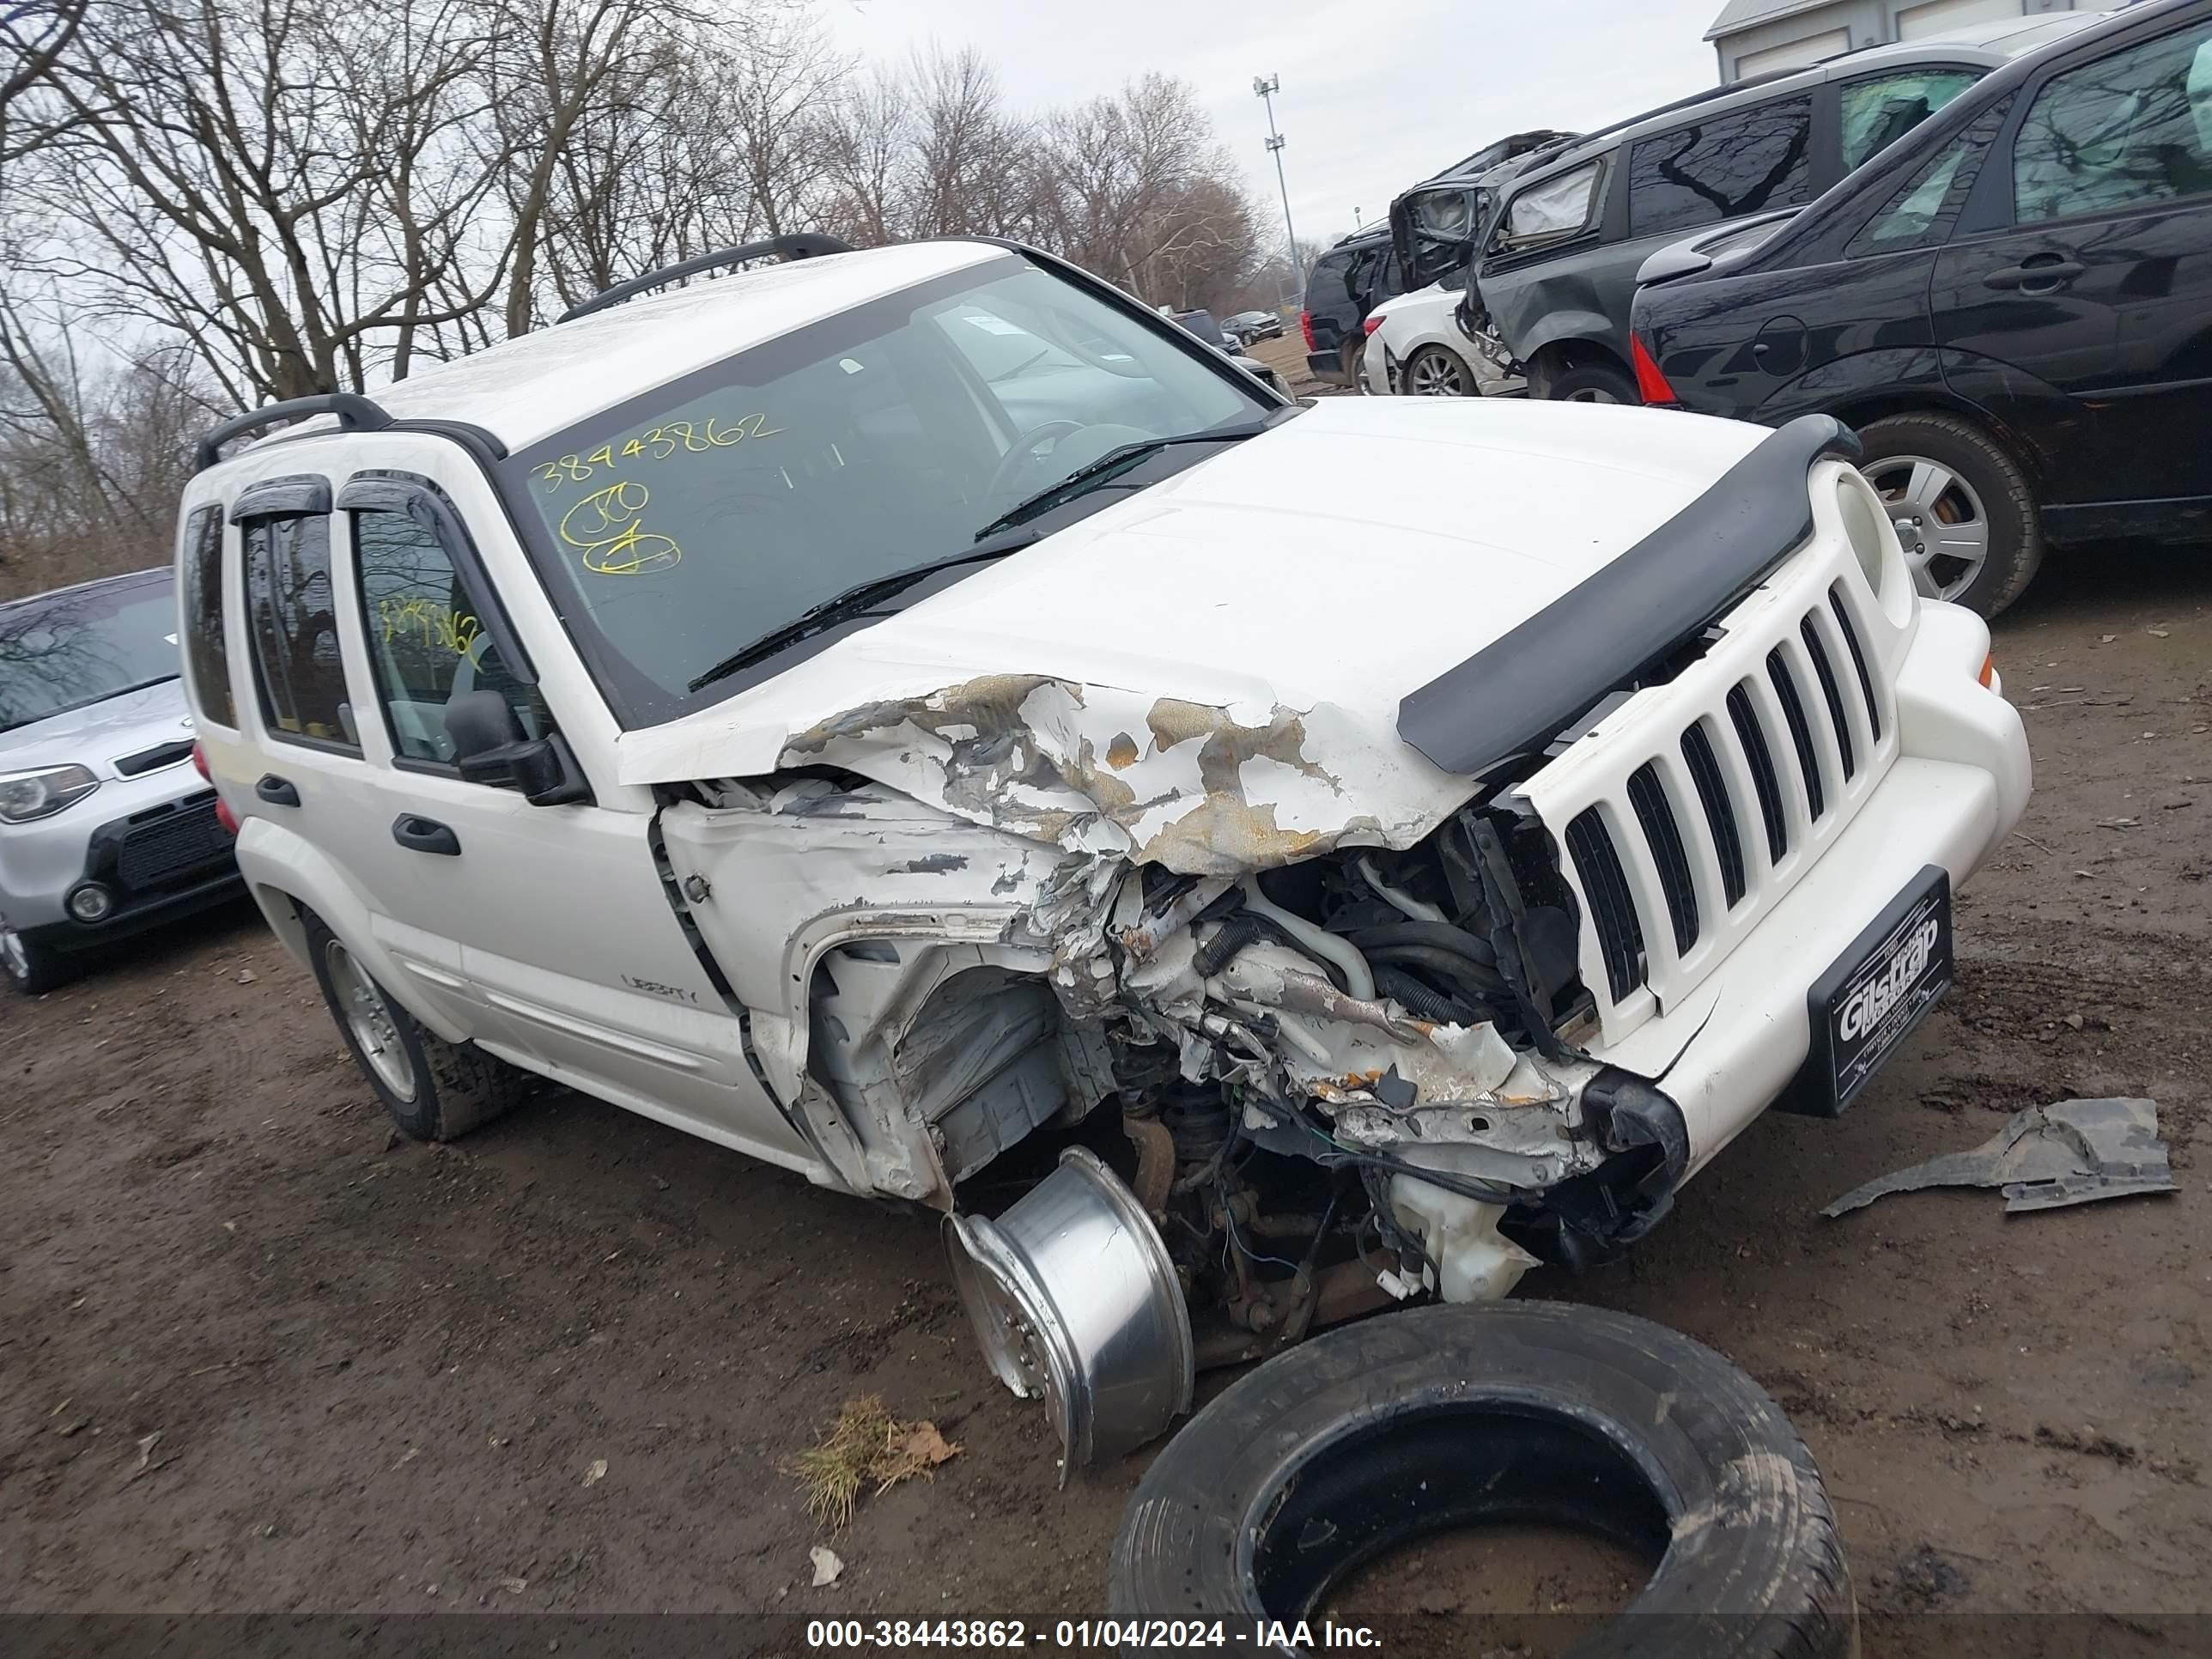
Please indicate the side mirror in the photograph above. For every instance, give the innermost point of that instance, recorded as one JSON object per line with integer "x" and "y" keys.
{"x": 489, "y": 748}
{"x": 480, "y": 720}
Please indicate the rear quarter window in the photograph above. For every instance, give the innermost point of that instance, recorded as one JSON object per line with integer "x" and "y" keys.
{"x": 1330, "y": 286}
{"x": 1922, "y": 211}
{"x": 207, "y": 656}
{"x": 1723, "y": 166}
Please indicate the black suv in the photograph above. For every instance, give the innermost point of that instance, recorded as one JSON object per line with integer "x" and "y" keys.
{"x": 1559, "y": 271}
{"x": 2014, "y": 307}
{"x": 1347, "y": 282}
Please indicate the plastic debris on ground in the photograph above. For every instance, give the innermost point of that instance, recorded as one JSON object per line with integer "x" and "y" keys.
{"x": 2046, "y": 1158}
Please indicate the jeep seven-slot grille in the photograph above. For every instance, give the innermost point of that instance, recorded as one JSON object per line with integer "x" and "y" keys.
{"x": 1752, "y": 736}
{"x": 1720, "y": 813}
{"x": 1613, "y": 909}
{"x": 1858, "y": 659}
{"x": 1664, "y": 836}
{"x": 1801, "y": 729}
{"x": 1673, "y": 857}
{"x": 1829, "y": 693}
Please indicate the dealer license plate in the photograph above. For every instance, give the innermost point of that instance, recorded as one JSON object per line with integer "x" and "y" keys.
{"x": 1869, "y": 1002}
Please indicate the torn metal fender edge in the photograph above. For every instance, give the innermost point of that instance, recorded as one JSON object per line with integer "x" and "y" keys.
{"x": 1518, "y": 692}
{"x": 848, "y": 1166}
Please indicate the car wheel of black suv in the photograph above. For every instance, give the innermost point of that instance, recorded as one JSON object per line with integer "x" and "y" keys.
{"x": 1961, "y": 506}
{"x": 1587, "y": 383}
{"x": 433, "y": 1089}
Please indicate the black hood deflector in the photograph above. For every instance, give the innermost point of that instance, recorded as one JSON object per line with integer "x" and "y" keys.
{"x": 1518, "y": 693}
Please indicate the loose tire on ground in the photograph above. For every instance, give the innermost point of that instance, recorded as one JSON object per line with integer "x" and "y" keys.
{"x": 433, "y": 1089}
{"x": 1432, "y": 1418}
{"x": 2014, "y": 529}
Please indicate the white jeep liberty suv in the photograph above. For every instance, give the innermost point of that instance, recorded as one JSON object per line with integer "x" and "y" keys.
{"x": 900, "y": 711}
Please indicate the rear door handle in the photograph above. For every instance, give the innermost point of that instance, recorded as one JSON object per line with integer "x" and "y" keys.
{"x": 278, "y": 791}
{"x": 2043, "y": 274}
{"x": 425, "y": 836}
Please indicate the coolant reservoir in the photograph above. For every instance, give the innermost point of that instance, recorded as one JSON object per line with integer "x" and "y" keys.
{"x": 1475, "y": 1261}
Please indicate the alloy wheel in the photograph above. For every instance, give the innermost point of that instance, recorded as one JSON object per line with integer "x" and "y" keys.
{"x": 1589, "y": 394}
{"x": 368, "y": 1015}
{"x": 1434, "y": 374}
{"x": 1940, "y": 521}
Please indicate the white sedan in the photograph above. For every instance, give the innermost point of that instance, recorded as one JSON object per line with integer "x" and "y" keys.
{"x": 1416, "y": 348}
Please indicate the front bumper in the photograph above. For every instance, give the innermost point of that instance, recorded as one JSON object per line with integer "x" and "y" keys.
{"x": 1960, "y": 783}
{"x": 152, "y": 842}
{"x": 1726, "y": 1053}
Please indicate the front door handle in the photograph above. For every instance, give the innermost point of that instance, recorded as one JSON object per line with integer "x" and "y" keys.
{"x": 278, "y": 791}
{"x": 2044, "y": 273}
{"x": 425, "y": 836}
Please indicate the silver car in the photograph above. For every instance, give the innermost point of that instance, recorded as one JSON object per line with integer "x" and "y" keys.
{"x": 107, "y": 827}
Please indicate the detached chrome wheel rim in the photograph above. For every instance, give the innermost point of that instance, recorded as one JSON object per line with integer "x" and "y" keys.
{"x": 1435, "y": 375}
{"x": 12, "y": 953}
{"x": 367, "y": 1015}
{"x": 1940, "y": 521}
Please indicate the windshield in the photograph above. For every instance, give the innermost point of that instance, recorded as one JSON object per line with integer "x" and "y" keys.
{"x": 64, "y": 650}
{"x": 677, "y": 528}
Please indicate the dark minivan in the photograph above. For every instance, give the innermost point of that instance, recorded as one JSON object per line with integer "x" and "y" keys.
{"x": 1559, "y": 272}
{"x": 2014, "y": 307}
{"x": 1347, "y": 282}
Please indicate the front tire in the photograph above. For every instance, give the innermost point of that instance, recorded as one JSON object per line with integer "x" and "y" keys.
{"x": 1438, "y": 1417}
{"x": 1961, "y": 506}
{"x": 433, "y": 1089}
{"x": 33, "y": 968}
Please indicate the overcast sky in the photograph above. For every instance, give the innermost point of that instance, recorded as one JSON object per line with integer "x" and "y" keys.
{"x": 1376, "y": 93}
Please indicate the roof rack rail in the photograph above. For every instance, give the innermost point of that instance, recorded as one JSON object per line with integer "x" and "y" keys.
{"x": 355, "y": 413}
{"x": 806, "y": 244}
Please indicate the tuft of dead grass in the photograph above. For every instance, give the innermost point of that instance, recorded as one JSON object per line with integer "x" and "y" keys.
{"x": 866, "y": 1446}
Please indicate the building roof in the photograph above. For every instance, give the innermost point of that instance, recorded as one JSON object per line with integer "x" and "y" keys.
{"x": 1742, "y": 14}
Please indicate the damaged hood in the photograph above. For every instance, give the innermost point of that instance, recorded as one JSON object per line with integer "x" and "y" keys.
{"x": 1207, "y": 675}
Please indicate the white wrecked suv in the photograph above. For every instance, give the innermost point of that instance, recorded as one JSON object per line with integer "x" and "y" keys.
{"x": 909, "y": 713}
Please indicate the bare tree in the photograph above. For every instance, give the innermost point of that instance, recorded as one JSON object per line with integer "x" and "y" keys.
{"x": 92, "y": 458}
{"x": 570, "y": 76}
{"x": 255, "y": 175}
{"x": 35, "y": 34}
{"x": 214, "y": 202}
{"x": 1139, "y": 191}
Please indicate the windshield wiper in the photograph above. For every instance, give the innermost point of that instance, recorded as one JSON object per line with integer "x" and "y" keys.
{"x": 1008, "y": 533}
{"x": 1089, "y": 477}
{"x": 853, "y": 602}
{"x": 87, "y": 703}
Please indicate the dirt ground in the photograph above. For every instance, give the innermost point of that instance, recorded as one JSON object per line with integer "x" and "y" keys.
{"x": 256, "y": 1353}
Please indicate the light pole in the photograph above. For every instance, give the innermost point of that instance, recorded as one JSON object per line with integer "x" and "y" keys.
{"x": 1266, "y": 86}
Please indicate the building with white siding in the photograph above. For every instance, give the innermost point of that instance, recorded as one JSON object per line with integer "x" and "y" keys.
{"x": 1755, "y": 36}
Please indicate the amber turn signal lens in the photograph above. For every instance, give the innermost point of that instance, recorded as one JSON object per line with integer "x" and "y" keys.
{"x": 1989, "y": 668}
